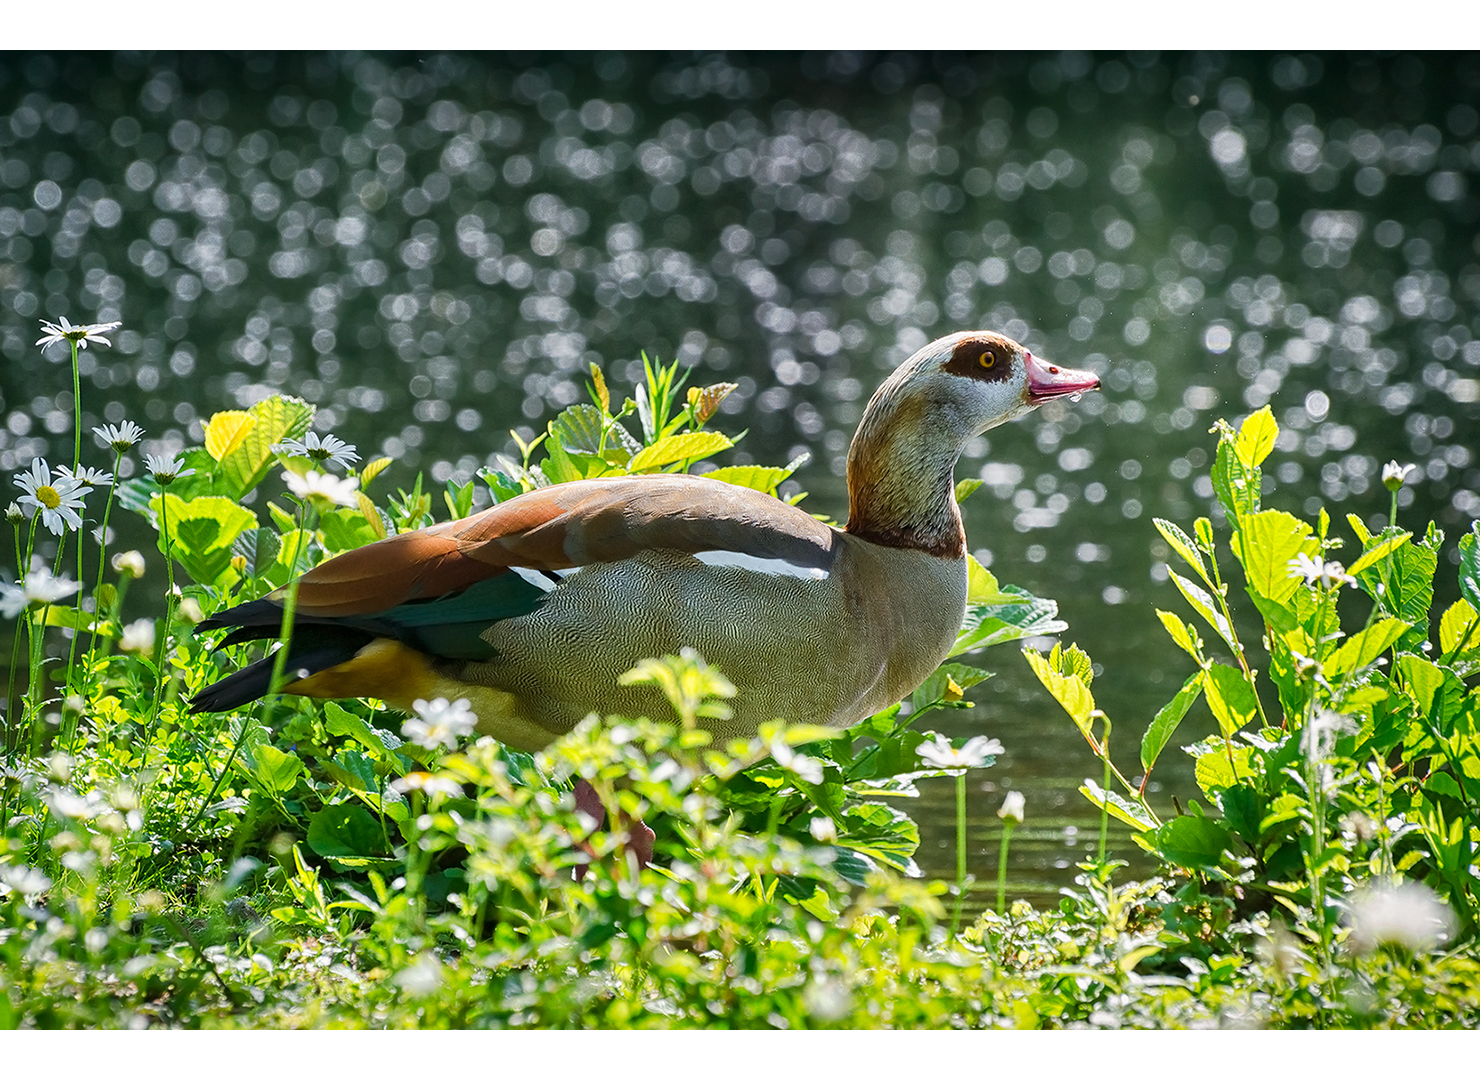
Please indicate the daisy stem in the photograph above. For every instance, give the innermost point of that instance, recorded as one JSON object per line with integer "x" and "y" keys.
{"x": 960, "y": 849}
{"x": 76, "y": 412}
{"x": 12, "y": 699}
{"x": 163, "y": 647}
{"x": 1007, "y": 826}
{"x": 92, "y": 641}
{"x": 285, "y": 631}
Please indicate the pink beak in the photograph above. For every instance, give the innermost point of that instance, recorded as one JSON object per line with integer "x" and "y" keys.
{"x": 1048, "y": 381}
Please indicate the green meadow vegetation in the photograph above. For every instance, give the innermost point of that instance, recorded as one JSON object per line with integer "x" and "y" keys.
{"x": 306, "y": 864}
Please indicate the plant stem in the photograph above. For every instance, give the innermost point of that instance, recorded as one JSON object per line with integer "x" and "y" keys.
{"x": 1007, "y": 826}
{"x": 1105, "y": 806}
{"x": 960, "y": 849}
{"x": 285, "y": 630}
{"x": 162, "y": 649}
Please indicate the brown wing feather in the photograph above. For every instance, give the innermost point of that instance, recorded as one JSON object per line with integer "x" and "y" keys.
{"x": 564, "y": 526}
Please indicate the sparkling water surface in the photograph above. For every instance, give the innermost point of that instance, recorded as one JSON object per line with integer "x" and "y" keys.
{"x": 434, "y": 248}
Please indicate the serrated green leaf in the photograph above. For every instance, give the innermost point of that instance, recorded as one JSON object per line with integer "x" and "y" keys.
{"x": 202, "y": 532}
{"x": 1380, "y": 551}
{"x": 276, "y": 770}
{"x": 1469, "y": 565}
{"x": 1068, "y": 690}
{"x": 965, "y": 489}
{"x": 578, "y": 429}
{"x": 938, "y": 686}
{"x": 340, "y": 721}
{"x": 1265, "y": 543}
{"x": 1457, "y": 627}
{"x": 1167, "y": 718}
{"x": 985, "y": 625}
{"x": 1195, "y": 843}
{"x": 982, "y": 587}
{"x": 1203, "y": 603}
{"x": 1256, "y": 437}
{"x": 1235, "y": 484}
{"x": 225, "y": 431}
{"x": 373, "y": 469}
{"x": 1181, "y": 633}
{"x": 1230, "y": 698}
{"x": 689, "y": 446}
{"x": 1182, "y": 544}
{"x": 277, "y": 418}
{"x": 1364, "y": 647}
{"x": 763, "y": 478}
{"x": 1137, "y": 817}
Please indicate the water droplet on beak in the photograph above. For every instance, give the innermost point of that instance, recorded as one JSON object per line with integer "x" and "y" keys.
{"x": 1076, "y": 395}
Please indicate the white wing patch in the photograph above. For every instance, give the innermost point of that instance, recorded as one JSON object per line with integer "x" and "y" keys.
{"x": 535, "y": 578}
{"x": 775, "y": 567}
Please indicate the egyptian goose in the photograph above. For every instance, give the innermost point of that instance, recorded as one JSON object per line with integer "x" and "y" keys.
{"x": 532, "y": 608}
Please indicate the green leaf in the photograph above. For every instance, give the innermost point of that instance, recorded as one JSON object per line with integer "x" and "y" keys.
{"x": 225, "y": 431}
{"x": 1243, "y": 809}
{"x": 1230, "y": 698}
{"x": 1380, "y": 551}
{"x": 502, "y": 487}
{"x": 203, "y": 531}
{"x": 277, "y": 418}
{"x": 1213, "y": 769}
{"x": 346, "y": 830}
{"x": 1204, "y": 605}
{"x": 1181, "y": 633}
{"x": 880, "y": 832}
{"x": 1195, "y": 843}
{"x": 1136, "y": 816}
{"x": 1365, "y": 646}
{"x": 1265, "y": 543}
{"x": 1182, "y": 544}
{"x": 1256, "y": 437}
{"x": 345, "y": 529}
{"x": 966, "y": 488}
{"x": 982, "y": 587}
{"x": 1458, "y": 627}
{"x": 1469, "y": 565}
{"x": 937, "y": 688}
{"x": 1026, "y": 615}
{"x": 259, "y": 547}
{"x": 1402, "y": 583}
{"x": 764, "y": 478}
{"x": 340, "y": 721}
{"x": 578, "y": 429}
{"x": 1068, "y": 690}
{"x": 275, "y": 770}
{"x": 1167, "y": 718}
{"x": 687, "y": 447}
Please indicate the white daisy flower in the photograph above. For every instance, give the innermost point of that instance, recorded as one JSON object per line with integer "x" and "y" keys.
{"x": 1328, "y": 575}
{"x": 166, "y": 470}
{"x": 439, "y": 723}
{"x": 129, "y": 563}
{"x": 325, "y": 486}
{"x": 1394, "y": 475}
{"x": 327, "y": 448}
{"x": 1012, "y": 807}
{"x": 138, "y": 636}
{"x": 39, "y": 587}
{"x": 428, "y": 783}
{"x": 804, "y": 767}
{"x": 1409, "y": 914}
{"x": 120, "y": 437}
{"x": 86, "y": 474}
{"x": 62, "y": 330}
{"x": 942, "y": 755}
{"x": 58, "y": 500}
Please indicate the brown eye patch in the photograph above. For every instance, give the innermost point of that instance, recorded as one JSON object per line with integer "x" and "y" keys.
{"x": 988, "y": 359}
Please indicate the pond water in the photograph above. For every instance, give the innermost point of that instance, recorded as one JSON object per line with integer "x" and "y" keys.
{"x": 434, "y": 248}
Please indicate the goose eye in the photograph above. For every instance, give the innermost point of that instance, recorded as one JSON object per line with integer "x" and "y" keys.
{"x": 988, "y": 360}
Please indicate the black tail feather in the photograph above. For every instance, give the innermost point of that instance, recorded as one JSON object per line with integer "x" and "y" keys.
{"x": 314, "y": 648}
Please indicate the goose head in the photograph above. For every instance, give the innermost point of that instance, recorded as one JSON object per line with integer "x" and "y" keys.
{"x": 900, "y": 483}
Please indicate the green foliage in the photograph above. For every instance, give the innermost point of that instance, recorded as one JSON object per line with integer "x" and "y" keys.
{"x": 1367, "y": 771}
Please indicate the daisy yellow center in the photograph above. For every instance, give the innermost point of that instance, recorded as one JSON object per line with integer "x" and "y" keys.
{"x": 47, "y": 496}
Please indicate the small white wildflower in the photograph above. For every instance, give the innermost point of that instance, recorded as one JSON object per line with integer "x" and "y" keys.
{"x": 26, "y": 880}
{"x": 129, "y": 564}
{"x": 120, "y": 437}
{"x": 428, "y": 783}
{"x": 1012, "y": 807}
{"x": 65, "y": 802}
{"x": 39, "y": 587}
{"x": 421, "y": 978}
{"x": 1327, "y": 575}
{"x": 1409, "y": 914}
{"x": 940, "y": 754}
{"x": 58, "y": 500}
{"x": 803, "y": 767}
{"x": 439, "y": 723}
{"x": 326, "y": 486}
{"x": 14, "y": 515}
{"x": 138, "y": 636}
{"x": 189, "y": 610}
{"x": 85, "y": 474}
{"x": 329, "y": 448}
{"x": 62, "y": 330}
{"x": 828, "y": 999}
{"x": 1394, "y": 475}
{"x": 823, "y": 829}
{"x": 1320, "y": 735}
{"x": 166, "y": 470}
